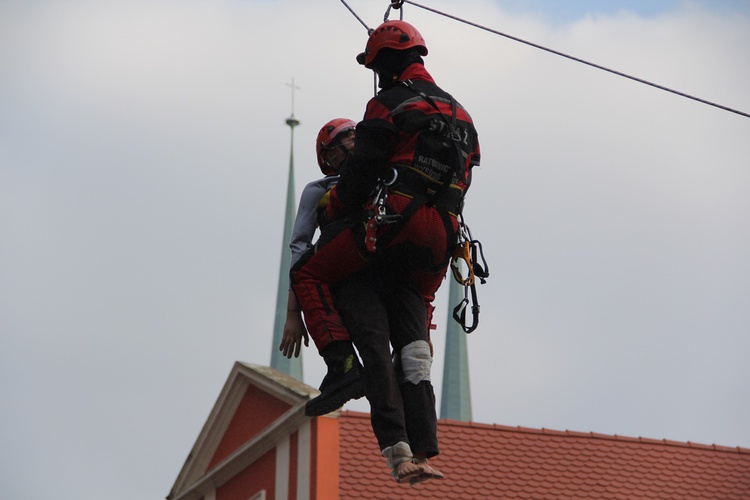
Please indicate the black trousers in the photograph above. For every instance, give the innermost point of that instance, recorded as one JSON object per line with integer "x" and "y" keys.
{"x": 381, "y": 308}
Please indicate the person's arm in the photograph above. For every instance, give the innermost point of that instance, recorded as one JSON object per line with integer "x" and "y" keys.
{"x": 300, "y": 242}
{"x": 373, "y": 148}
{"x": 306, "y": 220}
{"x": 294, "y": 329}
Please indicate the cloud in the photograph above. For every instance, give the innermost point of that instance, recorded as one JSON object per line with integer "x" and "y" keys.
{"x": 143, "y": 164}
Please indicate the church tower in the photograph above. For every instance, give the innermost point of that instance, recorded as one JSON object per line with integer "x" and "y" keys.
{"x": 455, "y": 402}
{"x": 292, "y": 366}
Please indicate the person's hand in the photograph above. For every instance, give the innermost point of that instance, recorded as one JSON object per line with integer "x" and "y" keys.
{"x": 294, "y": 332}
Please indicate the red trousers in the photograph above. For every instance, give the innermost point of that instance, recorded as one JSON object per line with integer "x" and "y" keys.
{"x": 420, "y": 247}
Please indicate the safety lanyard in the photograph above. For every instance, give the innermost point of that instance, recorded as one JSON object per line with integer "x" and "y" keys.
{"x": 470, "y": 252}
{"x": 376, "y": 211}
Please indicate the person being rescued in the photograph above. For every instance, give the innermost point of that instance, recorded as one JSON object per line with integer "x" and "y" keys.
{"x": 377, "y": 266}
{"x": 343, "y": 381}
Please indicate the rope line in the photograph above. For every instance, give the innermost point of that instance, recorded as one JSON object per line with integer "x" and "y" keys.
{"x": 355, "y": 15}
{"x": 597, "y": 66}
{"x": 567, "y": 56}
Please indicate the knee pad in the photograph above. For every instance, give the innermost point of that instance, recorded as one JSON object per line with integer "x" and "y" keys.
{"x": 416, "y": 362}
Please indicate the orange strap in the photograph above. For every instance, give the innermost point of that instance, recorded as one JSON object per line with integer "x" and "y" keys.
{"x": 462, "y": 253}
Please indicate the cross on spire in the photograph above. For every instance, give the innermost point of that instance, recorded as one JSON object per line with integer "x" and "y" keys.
{"x": 292, "y": 121}
{"x": 294, "y": 87}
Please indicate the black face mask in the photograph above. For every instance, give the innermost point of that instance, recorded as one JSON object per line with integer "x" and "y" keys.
{"x": 390, "y": 63}
{"x": 345, "y": 164}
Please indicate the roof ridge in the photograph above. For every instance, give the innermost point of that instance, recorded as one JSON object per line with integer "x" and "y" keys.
{"x": 596, "y": 435}
{"x": 576, "y": 434}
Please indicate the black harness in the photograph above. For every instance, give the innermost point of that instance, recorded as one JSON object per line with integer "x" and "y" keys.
{"x": 416, "y": 186}
{"x": 448, "y": 201}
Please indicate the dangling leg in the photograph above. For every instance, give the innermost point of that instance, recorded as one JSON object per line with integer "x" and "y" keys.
{"x": 342, "y": 382}
{"x": 402, "y": 463}
{"x": 364, "y": 314}
{"x": 408, "y": 312}
{"x": 333, "y": 259}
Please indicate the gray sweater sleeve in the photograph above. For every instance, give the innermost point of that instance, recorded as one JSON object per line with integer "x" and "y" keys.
{"x": 307, "y": 216}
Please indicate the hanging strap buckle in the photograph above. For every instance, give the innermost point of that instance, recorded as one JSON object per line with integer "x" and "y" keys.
{"x": 459, "y": 312}
{"x": 469, "y": 251}
{"x": 378, "y": 215}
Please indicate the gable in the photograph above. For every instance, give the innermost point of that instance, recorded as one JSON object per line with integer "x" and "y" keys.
{"x": 257, "y": 408}
{"x": 256, "y": 411}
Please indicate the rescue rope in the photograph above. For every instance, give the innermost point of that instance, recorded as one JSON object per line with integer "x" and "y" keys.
{"x": 398, "y": 5}
{"x": 369, "y": 30}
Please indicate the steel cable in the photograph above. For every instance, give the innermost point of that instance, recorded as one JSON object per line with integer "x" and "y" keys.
{"x": 557, "y": 53}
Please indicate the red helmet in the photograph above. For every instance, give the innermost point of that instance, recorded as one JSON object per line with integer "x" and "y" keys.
{"x": 326, "y": 138}
{"x": 397, "y": 35}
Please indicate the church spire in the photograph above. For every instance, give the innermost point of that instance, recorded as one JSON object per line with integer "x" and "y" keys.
{"x": 292, "y": 366}
{"x": 455, "y": 402}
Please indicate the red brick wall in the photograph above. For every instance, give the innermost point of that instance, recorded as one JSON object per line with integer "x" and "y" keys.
{"x": 260, "y": 475}
{"x": 255, "y": 412}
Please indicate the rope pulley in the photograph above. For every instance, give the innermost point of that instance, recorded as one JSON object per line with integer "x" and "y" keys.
{"x": 396, "y": 4}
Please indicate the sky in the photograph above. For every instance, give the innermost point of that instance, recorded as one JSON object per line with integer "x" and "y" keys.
{"x": 143, "y": 169}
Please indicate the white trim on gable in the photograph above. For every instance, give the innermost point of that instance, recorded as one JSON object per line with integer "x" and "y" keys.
{"x": 282, "y": 469}
{"x": 304, "y": 451}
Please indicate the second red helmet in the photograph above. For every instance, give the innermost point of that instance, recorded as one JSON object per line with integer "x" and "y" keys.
{"x": 327, "y": 137}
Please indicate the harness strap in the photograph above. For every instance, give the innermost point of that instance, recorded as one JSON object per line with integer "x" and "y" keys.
{"x": 412, "y": 183}
{"x": 438, "y": 197}
{"x": 446, "y": 176}
{"x": 406, "y": 214}
{"x": 459, "y": 312}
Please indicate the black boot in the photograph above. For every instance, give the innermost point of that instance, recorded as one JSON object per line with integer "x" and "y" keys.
{"x": 342, "y": 382}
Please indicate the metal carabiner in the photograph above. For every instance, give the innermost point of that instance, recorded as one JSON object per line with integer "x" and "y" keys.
{"x": 394, "y": 177}
{"x": 462, "y": 253}
{"x": 396, "y": 4}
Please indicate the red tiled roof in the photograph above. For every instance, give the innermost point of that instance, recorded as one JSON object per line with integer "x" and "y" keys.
{"x": 491, "y": 461}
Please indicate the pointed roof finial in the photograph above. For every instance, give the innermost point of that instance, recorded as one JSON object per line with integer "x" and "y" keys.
{"x": 290, "y": 366}
{"x": 292, "y": 121}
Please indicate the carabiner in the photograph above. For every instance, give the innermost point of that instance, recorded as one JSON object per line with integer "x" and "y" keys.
{"x": 462, "y": 253}
{"x": 396, "y": 4}
{"x": 394, "y": 177}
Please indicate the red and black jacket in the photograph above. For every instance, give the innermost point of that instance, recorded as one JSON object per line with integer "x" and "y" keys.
{"x": 410, "y": 125}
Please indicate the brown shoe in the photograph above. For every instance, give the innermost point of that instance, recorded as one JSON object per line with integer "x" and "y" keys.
{"x": 406, "y": 471}
{"x": 429, "y": 472}
{"x": 401, "y": 460}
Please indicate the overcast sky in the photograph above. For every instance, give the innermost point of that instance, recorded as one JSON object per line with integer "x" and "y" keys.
{"x": 143, "y": 169}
